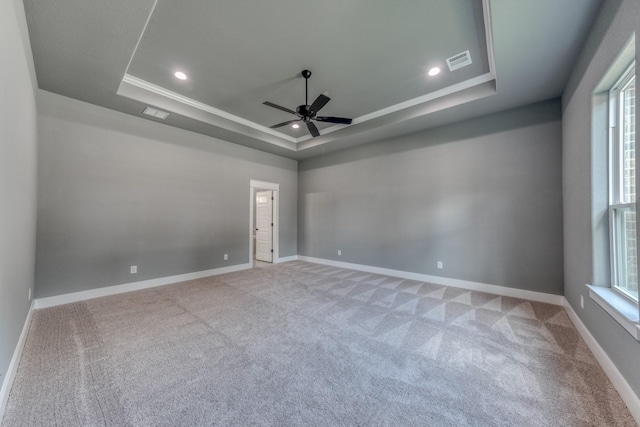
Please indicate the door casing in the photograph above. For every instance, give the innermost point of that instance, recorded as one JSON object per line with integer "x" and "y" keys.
{"x": 264, "y": 226}
{"x": 254, "y": 187}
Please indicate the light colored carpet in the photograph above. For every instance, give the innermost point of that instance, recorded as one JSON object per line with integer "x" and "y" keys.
{"x": 304, "y": 344}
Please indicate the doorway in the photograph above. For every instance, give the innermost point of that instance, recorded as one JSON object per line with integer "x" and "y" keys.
{"x": 263, "y": 237}
{"x": 264, "y": 226}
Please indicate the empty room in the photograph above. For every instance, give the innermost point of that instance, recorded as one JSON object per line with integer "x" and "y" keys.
{"x": 292, "y": 213}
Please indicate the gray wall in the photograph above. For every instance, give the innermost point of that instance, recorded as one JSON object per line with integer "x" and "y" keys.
{"x": 116, "y": 190}
{"x": 484, "y": 196}
{"x": 18, "y": 133}
{"x": 617, "y": 21}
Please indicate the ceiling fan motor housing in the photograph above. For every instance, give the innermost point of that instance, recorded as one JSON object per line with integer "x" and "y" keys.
{"x": 304, "y": 110}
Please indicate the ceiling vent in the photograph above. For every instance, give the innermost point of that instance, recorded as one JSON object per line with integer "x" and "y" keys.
{"x": 155, "y": 113}
{"x": 458, "y": 61}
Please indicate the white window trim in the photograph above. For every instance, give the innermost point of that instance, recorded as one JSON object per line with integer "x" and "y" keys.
{"x": 614, "y": 247}
{"x": 615, "y": 190}
{"x": 620, "y": 307}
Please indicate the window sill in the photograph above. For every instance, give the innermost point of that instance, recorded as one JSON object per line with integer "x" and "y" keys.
{"x": 625, "y": 312}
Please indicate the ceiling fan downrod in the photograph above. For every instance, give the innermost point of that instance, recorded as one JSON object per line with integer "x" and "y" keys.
{"x": 306, "y": 74}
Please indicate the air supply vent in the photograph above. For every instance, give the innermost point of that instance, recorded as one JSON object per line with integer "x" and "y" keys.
{"x": 458, "y": 61}
{"x": 155, "y": 113}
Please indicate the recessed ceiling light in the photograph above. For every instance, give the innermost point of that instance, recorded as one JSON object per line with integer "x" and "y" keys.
{"x": 295, "y": 126}
{"x": 180, "y": 75}
{"x": 434, "y": 71}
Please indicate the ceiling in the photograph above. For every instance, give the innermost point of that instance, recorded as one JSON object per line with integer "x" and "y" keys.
{"x": 370, "y": 56}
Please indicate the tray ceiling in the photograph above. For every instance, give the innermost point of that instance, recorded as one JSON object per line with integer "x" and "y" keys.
{"x": 370, "y": 56}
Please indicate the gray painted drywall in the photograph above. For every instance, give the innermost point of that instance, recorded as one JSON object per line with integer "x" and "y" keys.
{"x": 484, "y": 196}
{"x": 614, "y": 26}
{"x": 116, "y": 191}
{"x": 18, "y": 141}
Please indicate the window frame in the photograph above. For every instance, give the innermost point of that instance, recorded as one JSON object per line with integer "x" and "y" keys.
{"x": 616, "y": 181}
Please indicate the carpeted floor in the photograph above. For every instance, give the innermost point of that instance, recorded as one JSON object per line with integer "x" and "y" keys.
{"x": 304, "y": 344}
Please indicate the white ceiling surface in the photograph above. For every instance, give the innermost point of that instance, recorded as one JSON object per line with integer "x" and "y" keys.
{"x": 368, "y": 55}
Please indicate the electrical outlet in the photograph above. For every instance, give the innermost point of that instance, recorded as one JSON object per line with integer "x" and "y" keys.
{"x": 339, "y": 252}
{"x": 226, "y": 257}
{"x": 582, "y": 301}
{"x": 29, "y": 294}
{"x": 134, "y": 269}
{"x": 440, "y": 264}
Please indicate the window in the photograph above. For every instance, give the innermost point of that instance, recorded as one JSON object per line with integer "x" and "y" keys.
{"x": 622, "y": 185}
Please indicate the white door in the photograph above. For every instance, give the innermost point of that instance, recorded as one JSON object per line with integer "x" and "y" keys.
{"x": 264, "y": 226}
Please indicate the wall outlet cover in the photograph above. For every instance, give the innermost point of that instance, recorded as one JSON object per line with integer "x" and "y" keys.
{"x": 440, "y": 264}
{"x": 134, "y": 269}
{"x": 226, "y": 257}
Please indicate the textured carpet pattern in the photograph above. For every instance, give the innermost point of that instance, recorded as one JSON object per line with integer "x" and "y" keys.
{"x": 304, "y": 344}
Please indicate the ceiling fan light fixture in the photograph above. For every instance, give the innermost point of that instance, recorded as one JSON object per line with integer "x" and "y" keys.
{"x": 295, "y": 126}
{"x": 434, "y": 71}
{"x": 180, "y": 75}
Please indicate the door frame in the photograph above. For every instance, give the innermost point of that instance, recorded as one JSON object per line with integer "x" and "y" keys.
{"x": 255, "y": 186}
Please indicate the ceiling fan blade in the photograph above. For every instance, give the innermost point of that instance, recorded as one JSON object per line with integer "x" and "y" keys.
{"x": 313, "y": 129}
{"x": 271, "y": 104}
{"x": 320, "y": 102}
{"x": 341, "y": 120}
{"x": 284, "y": 123}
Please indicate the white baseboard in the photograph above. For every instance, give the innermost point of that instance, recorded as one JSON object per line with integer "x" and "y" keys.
{"x": 619, "y": 382}
{"x": 13, "y": 365}
{"x": 456, "y": 283}
{"x": 134, "y": 286}
{"x": 286, "y": 259}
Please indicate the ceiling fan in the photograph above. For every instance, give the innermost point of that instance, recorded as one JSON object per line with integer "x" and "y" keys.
{"x": 307, "y": 113}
